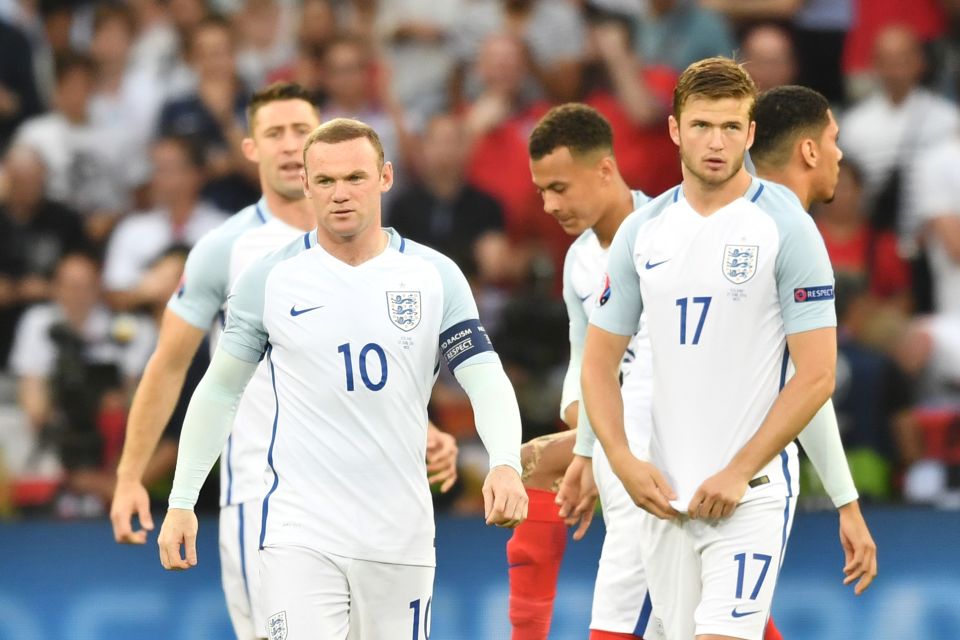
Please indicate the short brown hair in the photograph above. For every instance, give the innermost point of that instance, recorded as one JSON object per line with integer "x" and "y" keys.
{"x": 573, "y": 125}
{"x": 343, "y": 130}
{"x": 277, "y": 92}
{"x": 713, "y": 78}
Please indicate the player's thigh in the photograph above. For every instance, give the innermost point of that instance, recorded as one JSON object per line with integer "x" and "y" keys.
{"x": 545, "y": 459}
{"x": 740, "y": 560}
{"x": 232, "y": 572}
{"x": 305, "y": 594}
{"x": 390, "y": 601}
{"x": 621, "y": 601}
{"x": 672, "y": 567}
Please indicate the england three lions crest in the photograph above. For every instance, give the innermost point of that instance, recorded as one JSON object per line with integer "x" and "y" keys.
{"x": 404, "y": 309}
{"x": 740, "y": 262}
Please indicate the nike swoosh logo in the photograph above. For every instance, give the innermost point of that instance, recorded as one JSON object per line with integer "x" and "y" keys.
{"x": 651, "y": 265}
{"x": 738, "y": 614}
{"x": 296, "y": 312}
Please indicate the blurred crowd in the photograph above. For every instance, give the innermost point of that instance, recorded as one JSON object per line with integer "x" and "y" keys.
{"x": 121, "y": 124}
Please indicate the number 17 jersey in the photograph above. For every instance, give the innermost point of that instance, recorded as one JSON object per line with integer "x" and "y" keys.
{"x": 720, "y": 294}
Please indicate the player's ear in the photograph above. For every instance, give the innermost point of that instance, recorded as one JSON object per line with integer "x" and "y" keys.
{"x": 304, "y": 183}
{"x": 674, "y": 127}
{"x": 809, "y": 153}
{"x": 751, "y": 133}
{"x": 386, "y": 177}
{"x": 249, "y": 148}
{"x": 607, "y": 167}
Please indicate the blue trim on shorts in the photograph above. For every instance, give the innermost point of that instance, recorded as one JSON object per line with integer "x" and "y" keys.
{"x": 273, "y": 439}
{"x": 243, "y": 556}
{"x": 229, "y": 467}
{"x": 644, "y": 618}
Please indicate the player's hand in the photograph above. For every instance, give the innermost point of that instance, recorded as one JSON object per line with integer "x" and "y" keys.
{"x": 648, "y": 488}
{"x": 504, "y": 498}
{"x": 718, "y": 496}
{"x": 577, "y": 496}
{"x": 179, "y": 528}
{"x": 859, "y": 549}
{"x": 441, "y": 458}
{"x": 130, "y": 498}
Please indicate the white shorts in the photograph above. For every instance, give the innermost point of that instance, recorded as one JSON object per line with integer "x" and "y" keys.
{"x": 239, "y": 568}
{"x": 308, "y": 594}
{"x": 621, "y": 602}
{"x": 717, "y": 576}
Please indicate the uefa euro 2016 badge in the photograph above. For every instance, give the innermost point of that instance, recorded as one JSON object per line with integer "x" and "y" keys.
{"x": 739, "y": 262}
{"x": 403, "y": 308}
{"x": 277, "y": 626}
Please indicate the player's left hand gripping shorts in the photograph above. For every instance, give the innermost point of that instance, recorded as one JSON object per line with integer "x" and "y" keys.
{"x": 717, "y": 576}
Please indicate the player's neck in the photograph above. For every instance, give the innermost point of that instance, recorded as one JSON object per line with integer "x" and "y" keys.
{"x": 616, "y": 211}
{"x": 357, "y": 249}
{"x": 706, "y": 198}
{"x": 296, "y": 213}
{"x": 791, "y": 181}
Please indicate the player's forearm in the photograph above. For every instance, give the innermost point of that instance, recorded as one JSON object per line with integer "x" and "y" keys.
{"x": 603, "y": 406}
{"x": 821, "y": 441}
{"x": 495, "y": 411}
{"x": 207, "y": 424}
{"x": 153, "y": 404}
{"x": 793, "y": 409}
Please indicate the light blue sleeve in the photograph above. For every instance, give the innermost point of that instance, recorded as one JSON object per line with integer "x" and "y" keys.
{"x": 620, "y": 303}
{"x": 462, "y": 337}
{"x": 245, "y": 335}
{"x": 804, "y": 275}
{"x": 204, "y": 287}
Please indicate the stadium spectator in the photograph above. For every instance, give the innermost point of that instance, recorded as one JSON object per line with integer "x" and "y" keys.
{"x": 552, "y": 35}
{"x": 34, "y": 234}
{"x": 179, "y": 216}
{"x": 497, "y": 124}
{"x": 83, "y": 171}
{"x": 873, "y": 398}
{"x": 678, "y": 32}
{"x": 768, "y": 54}
{"x": 910, "y": 118}
{"x": 213, "y": 115}
{"x": 353, "y": 90}
{"x": 856, "y": 249}
{"x": 819, "y": 30}
{"x": 262, "y": 26}
{"x": 635, "y": 98}
{"x": 416, "y": 36}
{"x": 306, "y": 70}
{"x": 127, "y": 98}
{"x": 318, "y": 23}
{"x": 446, "y": 213}
{"x": 75, "y": 362}
{"x": 19, "y": 97}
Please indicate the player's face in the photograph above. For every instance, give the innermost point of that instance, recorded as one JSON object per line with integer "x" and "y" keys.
{"x": 713, "y": 137}
{"x": 569, "y": 188}
{"x": 829, "y": 168}
{"x": 276, "y": 144}
{"x": 344, "y": 183}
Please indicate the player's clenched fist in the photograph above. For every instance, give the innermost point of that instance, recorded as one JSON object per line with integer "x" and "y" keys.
{"x": 179, "y": 528}
{"x": 718, "y": 496}
{"x": 504, "y": 498}
{"x": 647, "y": 487}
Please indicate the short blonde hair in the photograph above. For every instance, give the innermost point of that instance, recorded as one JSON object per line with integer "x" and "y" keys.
{"x": 713, "y": 78}
{"x": 342, "y": 130}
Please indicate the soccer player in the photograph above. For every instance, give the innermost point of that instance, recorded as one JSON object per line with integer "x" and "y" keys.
{"x": 280, "y": 119}
{"x": 352, "y": 320}
{"x": 736, "y": 289}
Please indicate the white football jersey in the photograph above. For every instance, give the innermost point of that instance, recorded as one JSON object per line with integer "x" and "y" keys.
{"x": 720, "y": 294}
{"x": 353, "y": 353}
{"x": 212, "y": 267}
{"x": 583, "y": 278}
